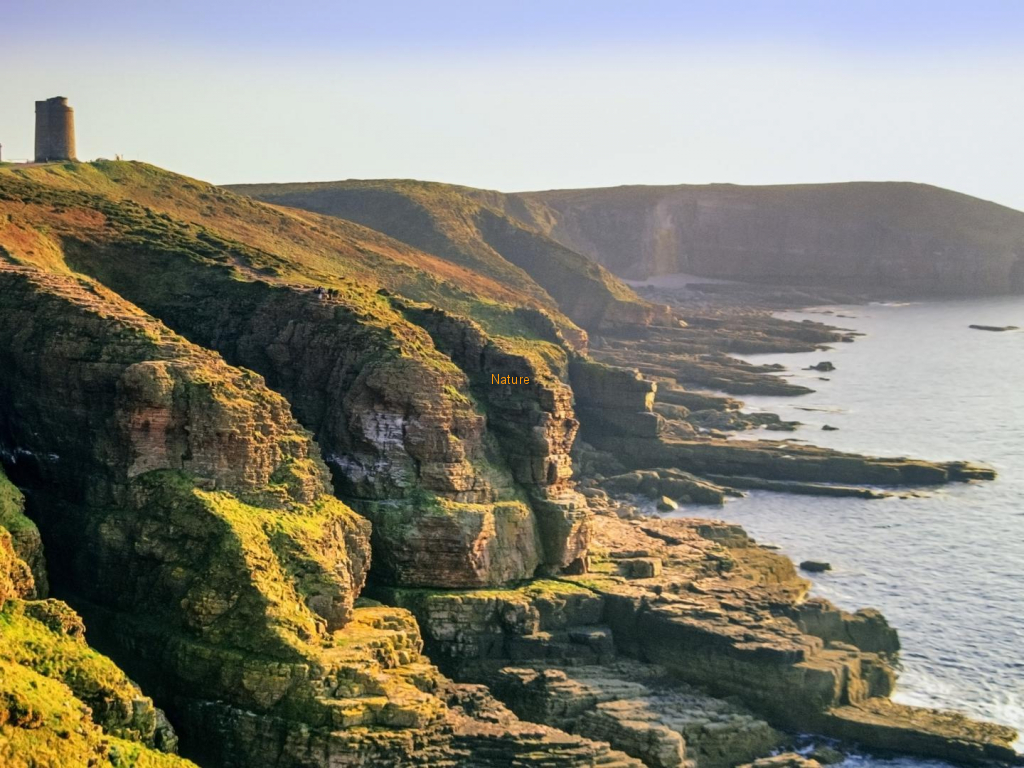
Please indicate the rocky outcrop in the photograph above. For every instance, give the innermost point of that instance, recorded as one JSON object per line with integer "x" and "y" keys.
{"x": 187, "y": 515}
{"x": 637, "y": 708}
{"x": 886, "y": 238}
{"x": 739, "y": 613}
{"x": 886, "y": 725}
{"x": 401, "y": 431}
{"x": 661, "y": 357}
{"x": 716, "y": 620}
{"x": 675, "y": 484}
{"x": 406, "y": 442}
{"x": 547, "y": 651}
{"x": 189, "y": 518}
{"x": 620, "y": 416}
{"x": 403, "y": 439}
{"x": 489, "y": 735}
{"x": 614, "y": 401}
{"x": 534, "y": 423}
{"x": 184, "y": 512}
{"x": 783, "y": 461}
{"x": 784, "y": 760}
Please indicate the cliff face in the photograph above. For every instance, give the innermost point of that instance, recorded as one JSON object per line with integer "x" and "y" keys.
{"x": 406, "y": 441}
{"x": 169, "y": 351}
{"x": 473, "y": 228}
{"x": 115, "y": 414}
{"x": 885, "y": 238}
{"x": 187, "y": 515}
{"x": 183, "y": 510}
{"x": 533, "y": 422}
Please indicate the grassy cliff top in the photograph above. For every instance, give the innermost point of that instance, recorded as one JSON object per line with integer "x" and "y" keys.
{"x": 45, "y": 210}
{"x": 882, "y": 238}
{"x": 483, "y": 230}
{"x": 909, "y": 205}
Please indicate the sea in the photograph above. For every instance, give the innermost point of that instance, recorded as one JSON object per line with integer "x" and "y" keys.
{"x": 947, "y": 567}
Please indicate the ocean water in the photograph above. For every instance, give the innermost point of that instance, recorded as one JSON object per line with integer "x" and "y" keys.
{"x": 946, "y": 569}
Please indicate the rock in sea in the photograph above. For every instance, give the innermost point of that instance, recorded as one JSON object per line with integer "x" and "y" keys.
{"x": 815, "y": 566}
{"x": 665, "y": 504}
{"x": 995, "y": 327}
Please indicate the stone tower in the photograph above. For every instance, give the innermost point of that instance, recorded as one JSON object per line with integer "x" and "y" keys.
{"x": 55, "y": 130}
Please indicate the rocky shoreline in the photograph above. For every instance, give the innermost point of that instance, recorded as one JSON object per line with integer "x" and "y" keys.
{"x": 296, "y": 516}
{"x": 688, "y": 644}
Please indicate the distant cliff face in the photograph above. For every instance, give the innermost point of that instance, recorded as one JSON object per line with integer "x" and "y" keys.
{"x": 893, "y": 238}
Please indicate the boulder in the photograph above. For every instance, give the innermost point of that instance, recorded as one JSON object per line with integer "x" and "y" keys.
{"x": 639, "y": 567}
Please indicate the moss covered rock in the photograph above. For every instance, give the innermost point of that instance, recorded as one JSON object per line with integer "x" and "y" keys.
{"x": 408, "y": 441}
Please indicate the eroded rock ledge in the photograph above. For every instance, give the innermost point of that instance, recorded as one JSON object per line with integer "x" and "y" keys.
{"x": 188, "y": 517}
{"x": 674, "y": 614}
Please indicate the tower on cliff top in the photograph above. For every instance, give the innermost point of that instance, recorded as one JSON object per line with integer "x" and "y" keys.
{"x": 55, "y": 130}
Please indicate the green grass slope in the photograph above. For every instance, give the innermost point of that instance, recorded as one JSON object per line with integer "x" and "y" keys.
{"x": 43, "y": 208}
{"x": 471, "y": 228}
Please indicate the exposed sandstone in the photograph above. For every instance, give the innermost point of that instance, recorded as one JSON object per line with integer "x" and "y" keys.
{"x": 784, "y": 760}
{"x": 207, "y": 554}
{"x": 677, "y": 485}
{"x": 535, "y": 424}
{"x": 188, "y": 517}
{"x": 406, "y": 442}
{"x": 614, "y": 401}
{"x": 637, "y": 708}
{"x": 719, "y": 613}
{"x": 198, "y": 508}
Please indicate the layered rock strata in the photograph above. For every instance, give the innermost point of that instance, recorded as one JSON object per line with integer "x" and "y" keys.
{"x": 534, "y": 423}
{"x": 184, "y": 512}
{"x": 621, "y": 415}
{"x": 188, "y": 517}
{"x": 614, "y": 400}
{"x": 636, "y": 707}
{"x": 406, "y": 446}
{"x": 407, "y": 443}
{"x": 713, "y": 610}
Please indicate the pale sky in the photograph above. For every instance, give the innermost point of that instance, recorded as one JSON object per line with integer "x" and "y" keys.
{"x": 533, "y": 95}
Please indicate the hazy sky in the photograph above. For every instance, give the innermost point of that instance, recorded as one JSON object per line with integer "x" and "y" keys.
{"x": 531, "y": 95}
